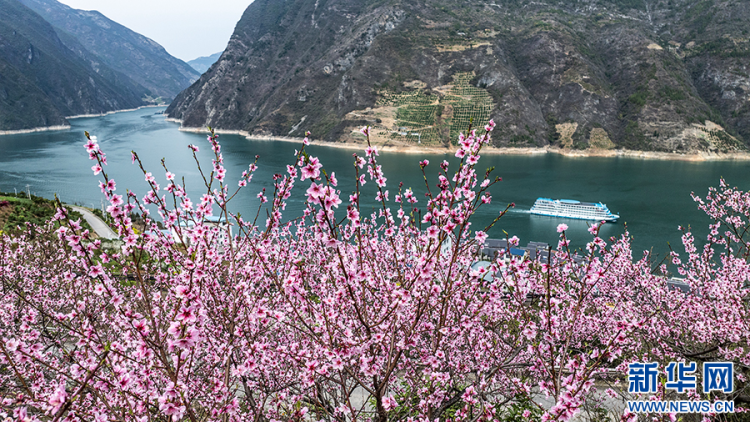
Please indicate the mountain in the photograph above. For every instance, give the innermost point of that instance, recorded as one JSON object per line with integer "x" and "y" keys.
{"x": 42, "y": 81}
{"x": 201, "y": 64}
{"x": 101, "y": 41}
{"x": 664, "y": 75}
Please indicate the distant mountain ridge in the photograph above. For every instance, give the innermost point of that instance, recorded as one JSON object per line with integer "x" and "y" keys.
{"x": 42, "y": 81}
{"x": 141, "y": 59}
{"x": 81, "y": 63}
{"x": 201, "y": 64}
{"x": 635, "y": 74}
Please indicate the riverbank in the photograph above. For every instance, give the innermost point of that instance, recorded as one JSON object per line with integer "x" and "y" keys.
{"x": 81, "y": 116}
{"x": 404, "y": 148}
{"x": 34, "y": 130}
{"x": 67, "y": 127}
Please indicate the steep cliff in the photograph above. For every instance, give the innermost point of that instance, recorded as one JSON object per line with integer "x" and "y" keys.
{"x": 101, "y": 41}
{"x": 638, "y": 74}
{"x": 42, "y": 81}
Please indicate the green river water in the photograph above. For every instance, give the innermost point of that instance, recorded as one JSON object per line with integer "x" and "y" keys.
{"x": 651, "y": 196}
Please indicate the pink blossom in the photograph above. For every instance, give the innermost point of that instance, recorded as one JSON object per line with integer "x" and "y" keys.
{"x": 96, "y": 271}
{"x": 116, "y": 200}
{"x": 389, "y": 403}
{"x": 91, "y": 146}
{"x": 310, "y": 172}
{"x": 314, "y": 192}
{"x": 331, "y": 200}
{"x": 58, "y": 398}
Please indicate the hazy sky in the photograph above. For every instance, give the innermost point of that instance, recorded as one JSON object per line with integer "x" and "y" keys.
{"x": 186, "y": 28}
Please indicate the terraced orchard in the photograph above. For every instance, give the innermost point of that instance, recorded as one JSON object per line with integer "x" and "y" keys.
{"x": 717, "y": 139}
{"x": 433, "y": 117}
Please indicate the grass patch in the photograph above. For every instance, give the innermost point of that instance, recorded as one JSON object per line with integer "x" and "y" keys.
{"x": 14, "y": 199}
{"x": 18, "y": 210}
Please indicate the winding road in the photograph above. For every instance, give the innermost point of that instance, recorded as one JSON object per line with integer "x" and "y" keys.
{"x": 100, "y": 227}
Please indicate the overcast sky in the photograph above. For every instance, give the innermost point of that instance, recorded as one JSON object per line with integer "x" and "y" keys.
{"x": 186, "y": 28}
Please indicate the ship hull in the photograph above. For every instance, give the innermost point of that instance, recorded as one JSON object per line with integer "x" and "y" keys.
{"x": 607, "y": 219}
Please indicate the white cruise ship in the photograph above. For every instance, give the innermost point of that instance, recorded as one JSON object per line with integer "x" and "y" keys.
{"x": 573, "y": 209}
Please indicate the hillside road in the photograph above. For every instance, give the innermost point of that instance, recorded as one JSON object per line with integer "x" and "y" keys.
{"x": 100, "y": 227}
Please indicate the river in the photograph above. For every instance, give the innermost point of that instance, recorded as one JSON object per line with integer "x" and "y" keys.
{"x": 651, "y": 196}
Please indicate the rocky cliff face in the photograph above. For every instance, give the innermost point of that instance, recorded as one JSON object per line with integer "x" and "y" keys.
{"x": 104, "y": 43}
{"x": 638, "y": 74}
{"x": 42, "y": 81}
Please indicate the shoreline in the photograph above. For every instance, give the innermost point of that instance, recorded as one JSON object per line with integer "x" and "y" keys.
{"x": 82, "y": 116}
{"x": 34, "y": 130}
{"x": 67, "y": 127}
{"x": 408, "y": 149}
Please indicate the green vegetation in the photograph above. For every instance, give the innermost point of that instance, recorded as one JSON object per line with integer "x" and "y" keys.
{"x": 521, "y": 139}
{"x": 325, "y": 124}
{"x": 740, "y": 111}
{"x": 515, "y": 412}
{"x": 635, "y": 139}
{"x": 630, "y": 4}
{"x": 673, "y": 94}
{"x": 521, "y": 409}
{"x": 434, "y": 119}
{"x": 723, "y": 141}
{"x": 419, "y": 114}
{"x": 639, "y": 98}
{"x": 553, "y": 136}
{"x": 17, "y": 209}
{"x": 700, "y": 15}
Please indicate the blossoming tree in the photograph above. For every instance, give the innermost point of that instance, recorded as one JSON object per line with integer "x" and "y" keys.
{"x": 340, "y": 316}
